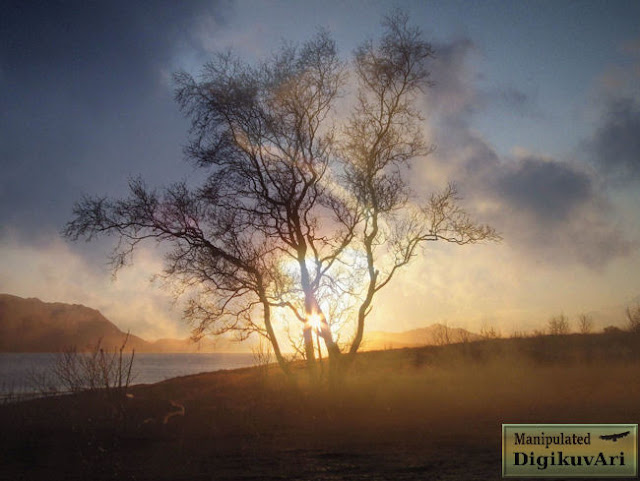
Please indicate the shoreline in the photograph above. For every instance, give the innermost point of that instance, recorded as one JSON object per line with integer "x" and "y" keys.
{"x": 408, "y": 414}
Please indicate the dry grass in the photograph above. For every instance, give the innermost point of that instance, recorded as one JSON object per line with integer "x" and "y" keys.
{"x": 429, "y": 413}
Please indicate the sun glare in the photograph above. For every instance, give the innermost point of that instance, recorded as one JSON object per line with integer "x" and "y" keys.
{"x": 314, "y": 321}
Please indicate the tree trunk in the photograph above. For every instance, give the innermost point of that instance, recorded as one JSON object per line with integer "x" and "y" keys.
{"x": 272, "y": 338}
{"x": 309, "y": 351}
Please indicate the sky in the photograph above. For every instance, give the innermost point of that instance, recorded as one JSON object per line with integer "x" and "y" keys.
{"x": 534, "y": 109}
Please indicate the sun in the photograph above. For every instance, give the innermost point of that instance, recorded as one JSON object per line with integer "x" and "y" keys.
{"x": 314, "y": 321}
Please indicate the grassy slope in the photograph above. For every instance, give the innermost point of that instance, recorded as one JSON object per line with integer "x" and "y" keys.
{"x": 428, "y": 413}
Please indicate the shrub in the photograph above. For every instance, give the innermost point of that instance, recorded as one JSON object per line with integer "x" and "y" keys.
{"x": 611, "y": 330}
{"x": 633, "y": 316}
{"x": 558, "y": 325}
{"x": 490, "y": 332}
{"x": 585, "y": 323}
{"x": 98, "y": 369}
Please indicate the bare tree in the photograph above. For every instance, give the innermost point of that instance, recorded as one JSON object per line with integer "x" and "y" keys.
{"x": 559, "y": 325}
{"x": 382, "y": 138}
{"x": 289, "y": 194}
{"x": 585, "y": 323}
{"x": 633, "y": 317}
{"x": 231, "y": 270}
{"x": 256, "y": 131}
{"x": 266, "y": 135}
{"x": 442, "y": 335}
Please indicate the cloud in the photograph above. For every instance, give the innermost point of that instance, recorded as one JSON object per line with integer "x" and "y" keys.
{"x": 100, "y": 41}
{"x": 559, "y": 225}
{"x": 615, "y": 145}
{"x": 553, "y": 211}
{"x": 85, "y": 101}
{"x": 549, "y": 191}
{"x": 53, "y": 272}
{"x": 454, "y": 95}
{"x": 548, "y": 210}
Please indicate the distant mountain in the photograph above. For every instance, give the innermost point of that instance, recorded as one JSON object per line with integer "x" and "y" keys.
{"x": 30, "y": 325}
{"x": 436, "y": 334}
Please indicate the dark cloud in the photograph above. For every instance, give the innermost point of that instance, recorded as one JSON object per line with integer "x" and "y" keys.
{"x": 454, "y": 95}
{"x": 105, "y": 43}
{"x": 548, "y": 190}
{"x": 86, "y": 101}
{"x": 550, "y": 211}
{"x": 462, "y": 155}
{"x": 615, "y": 145}
{"x": 455, "y": 86}
{"x": 554, "y": 213}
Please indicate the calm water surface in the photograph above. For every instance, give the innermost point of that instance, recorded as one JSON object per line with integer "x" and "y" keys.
{"x": 23, "y": 373}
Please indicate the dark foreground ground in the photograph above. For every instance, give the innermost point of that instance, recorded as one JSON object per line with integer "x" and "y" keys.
{"x": 412, "y": 414}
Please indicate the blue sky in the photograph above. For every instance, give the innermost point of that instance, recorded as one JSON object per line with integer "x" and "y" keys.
{"x": 535, "y": 110}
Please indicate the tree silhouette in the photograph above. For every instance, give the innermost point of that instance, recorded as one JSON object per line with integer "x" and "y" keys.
{"x": 300, "y": 209}
{"x": 633, "y": 316}
{"x": 559, "y": 325}
{"x": 585, "y": 323}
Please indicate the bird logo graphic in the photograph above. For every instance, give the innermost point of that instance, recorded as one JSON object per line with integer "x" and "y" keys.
{"x": 614, "y": 437}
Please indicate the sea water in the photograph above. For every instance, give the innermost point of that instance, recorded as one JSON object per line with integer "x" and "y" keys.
{"x": 31, "y": 372}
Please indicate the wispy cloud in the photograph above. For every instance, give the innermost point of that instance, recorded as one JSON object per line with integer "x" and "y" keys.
{"x": 53, "y": 272}
{"x": 547, "y": 209}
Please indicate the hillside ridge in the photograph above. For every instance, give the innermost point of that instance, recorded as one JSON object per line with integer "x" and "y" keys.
{"x": 32, "y": 325}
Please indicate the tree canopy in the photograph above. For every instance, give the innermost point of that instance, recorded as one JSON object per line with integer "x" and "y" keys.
{"x": 304, "y": 212}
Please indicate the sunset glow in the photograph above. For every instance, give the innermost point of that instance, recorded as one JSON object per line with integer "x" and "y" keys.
{"x": 276, "y": 239}
{"x": 314, "y": 322}
{"x": 534, "y": 112}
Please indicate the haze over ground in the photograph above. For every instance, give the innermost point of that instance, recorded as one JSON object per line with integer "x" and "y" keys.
{"x": 535, "y": 111}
